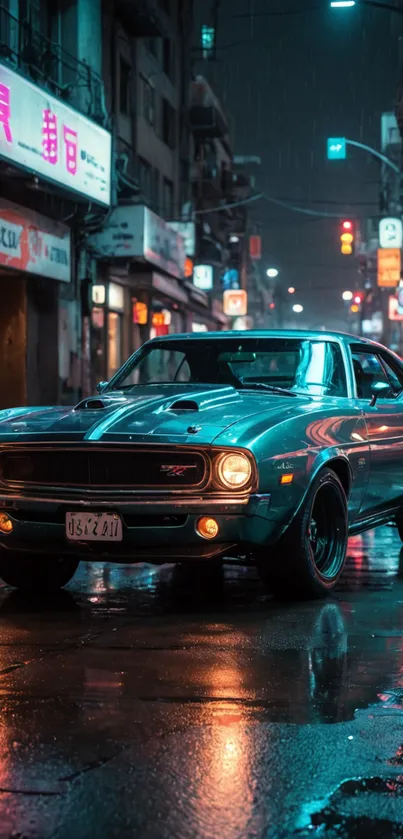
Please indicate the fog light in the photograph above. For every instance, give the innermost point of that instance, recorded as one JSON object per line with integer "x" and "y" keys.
{"x": 207, "y": 527}
{"x": 6, "y": 525}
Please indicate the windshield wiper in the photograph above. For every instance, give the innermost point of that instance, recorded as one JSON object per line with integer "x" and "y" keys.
{"x": 264, "y": 386}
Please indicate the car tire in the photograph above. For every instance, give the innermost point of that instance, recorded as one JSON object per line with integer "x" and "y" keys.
{"x": 306, "y": 563}
{"x": 37, "y": 573}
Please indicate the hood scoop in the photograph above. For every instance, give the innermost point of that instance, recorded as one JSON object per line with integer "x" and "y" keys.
{"x": 184, "y": 405}
{"x": 93, "y": 404}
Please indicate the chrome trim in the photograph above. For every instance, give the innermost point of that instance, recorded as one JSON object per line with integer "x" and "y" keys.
{"x": 7, "y": 500}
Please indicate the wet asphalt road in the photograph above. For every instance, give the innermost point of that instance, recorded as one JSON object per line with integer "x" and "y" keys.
{"x": 139, "y": 705}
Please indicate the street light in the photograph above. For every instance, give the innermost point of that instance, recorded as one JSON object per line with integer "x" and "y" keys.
{"x": 291, "y": 290}
{"x": 376, "y": 4}
{"x": 298, "y": 309}
{"x": 272, "y": 273}
{"x": 347, "y": 295}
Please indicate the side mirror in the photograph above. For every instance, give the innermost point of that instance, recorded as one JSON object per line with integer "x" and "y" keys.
{"x": 379, "y": 390}
{"x": 101, "y": 387}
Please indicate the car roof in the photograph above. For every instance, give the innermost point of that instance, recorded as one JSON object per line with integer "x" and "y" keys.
{"x": 308, "y": 335}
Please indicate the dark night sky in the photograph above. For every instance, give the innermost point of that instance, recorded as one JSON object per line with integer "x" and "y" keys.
{"x": 288, "y": 84}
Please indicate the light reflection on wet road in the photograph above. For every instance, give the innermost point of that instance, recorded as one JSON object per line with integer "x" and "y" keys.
{"x": 138, "y": 705}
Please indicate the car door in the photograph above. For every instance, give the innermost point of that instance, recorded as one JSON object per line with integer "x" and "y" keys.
{"x": 384, "y": 424}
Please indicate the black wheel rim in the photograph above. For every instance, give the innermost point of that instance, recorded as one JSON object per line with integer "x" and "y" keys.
{"x": 327, "y": 532}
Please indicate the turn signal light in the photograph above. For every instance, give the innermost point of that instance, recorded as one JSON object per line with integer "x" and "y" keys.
{"x": 287, "y": 479}
{"x": 6, "y": 525}
{"x": 207, "y": 527}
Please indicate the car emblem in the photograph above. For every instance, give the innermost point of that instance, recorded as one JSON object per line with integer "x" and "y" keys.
{"x": 175, "y": 471}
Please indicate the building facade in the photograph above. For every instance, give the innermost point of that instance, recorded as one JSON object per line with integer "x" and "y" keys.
{"x": 55, "y": 161}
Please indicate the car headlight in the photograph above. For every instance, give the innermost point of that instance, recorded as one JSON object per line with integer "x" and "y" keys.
{"x": 234, "y": 470}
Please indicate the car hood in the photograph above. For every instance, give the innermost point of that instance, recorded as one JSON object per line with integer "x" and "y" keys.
{"x": 157, "y": 413}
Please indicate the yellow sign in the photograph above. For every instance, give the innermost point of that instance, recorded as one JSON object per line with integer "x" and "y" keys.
{"x": 389, "y": 267}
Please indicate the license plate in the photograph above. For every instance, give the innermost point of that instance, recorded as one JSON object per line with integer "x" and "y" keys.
{"x": 94, "y": 527}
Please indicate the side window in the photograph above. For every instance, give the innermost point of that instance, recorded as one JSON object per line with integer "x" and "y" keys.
{"x": 368, "y": 371}
{"x": 395, "y": 375}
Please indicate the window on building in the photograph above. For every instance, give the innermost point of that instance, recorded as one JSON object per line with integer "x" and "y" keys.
{"x": 124, "y": 86}
{"x": 156, "y": 190}
{"x": 168, "y": 199}
{"x": 168, "y": 58}
{"x": 166, "y": 5}
{"x": 148, "y": 101}
{"x": 145, "y": 178}
{"x": 168, "y": 124}
{"x": 152, "y": 46}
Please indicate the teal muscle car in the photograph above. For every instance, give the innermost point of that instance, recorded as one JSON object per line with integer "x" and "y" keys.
{"x": 255, "y": 447}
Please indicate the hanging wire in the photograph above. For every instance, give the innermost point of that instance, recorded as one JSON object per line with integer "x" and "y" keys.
{"x": 277, "y": 201}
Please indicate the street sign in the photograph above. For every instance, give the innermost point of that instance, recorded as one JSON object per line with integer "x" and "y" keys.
{"x": 390, "y": 233}
{"x": 336, "y": 148}
{"x": 389, "y": 267}
{"x": 235, "y": 303}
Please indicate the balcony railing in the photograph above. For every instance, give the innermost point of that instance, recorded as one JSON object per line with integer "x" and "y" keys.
{"x": 207, "y": 118}
{"x": 50, "y": 66}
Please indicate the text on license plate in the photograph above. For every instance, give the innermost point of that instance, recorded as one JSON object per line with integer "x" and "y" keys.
{"x": 94, "y": 527}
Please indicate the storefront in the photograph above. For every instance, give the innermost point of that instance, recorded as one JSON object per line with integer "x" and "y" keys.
{"x": 56, "y": 157}
{"x": 139, "y": 293}
{"x": 35, "y": 258}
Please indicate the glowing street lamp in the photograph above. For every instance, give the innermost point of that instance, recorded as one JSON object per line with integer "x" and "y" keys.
{"x": 347, "y": 295}
{"x": 298, "y": 309}
{"x": 272, "y": 273}
{"x": 291, "y": 290}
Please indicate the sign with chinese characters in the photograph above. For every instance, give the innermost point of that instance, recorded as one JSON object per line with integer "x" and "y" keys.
{"x": 186, "y": 229}
{"x": 32, "y": 243}
{"x": 235, "y": 303}
{"x": 136, "y": 231}
{"x": 203, "y": 277}
{"x": 390, "y": 233}
{"x": 52, "y": 140}
{"x": 389, "y": 267}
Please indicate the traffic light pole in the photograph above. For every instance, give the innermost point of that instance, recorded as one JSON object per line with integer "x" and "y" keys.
{"x": 375, "y": 153}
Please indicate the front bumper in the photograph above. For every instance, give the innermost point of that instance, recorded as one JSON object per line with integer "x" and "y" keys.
{"x": 155, "y": 529}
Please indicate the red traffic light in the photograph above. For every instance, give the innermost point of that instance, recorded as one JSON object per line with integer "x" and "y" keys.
{"x": 358, "y": 298}
{"x": 347, "y": 225}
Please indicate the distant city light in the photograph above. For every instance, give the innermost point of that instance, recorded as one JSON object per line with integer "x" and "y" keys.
{"x": 347, "y": 295}
{"x": 291, "y": 290}
{"x": 342, "y": 4}
{"x": 298, "y": 308}
{"x": 234, "y": 239}
{"x": 272, "y": 273}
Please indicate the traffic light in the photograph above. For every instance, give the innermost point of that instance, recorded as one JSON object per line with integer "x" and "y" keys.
{"x": 357, "y": 301}
{"x": 347, "y": 237}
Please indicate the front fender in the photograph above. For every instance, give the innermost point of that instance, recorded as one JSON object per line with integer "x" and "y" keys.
{"x": 288, "y": 500}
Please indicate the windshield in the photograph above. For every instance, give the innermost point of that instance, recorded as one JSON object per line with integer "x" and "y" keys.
{"x": 297, "y": 365}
